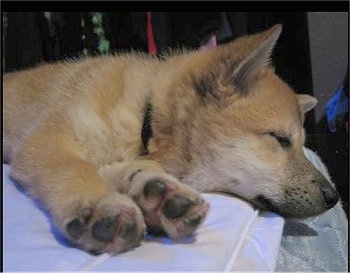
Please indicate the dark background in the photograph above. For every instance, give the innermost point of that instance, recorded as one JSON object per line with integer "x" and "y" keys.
{"x": 30, "y": 38}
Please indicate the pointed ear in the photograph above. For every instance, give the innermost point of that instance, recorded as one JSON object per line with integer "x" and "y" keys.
{"x": 236, "y": 64}
{"x": 258, "y": 58}
{"x": 306, "y": 102}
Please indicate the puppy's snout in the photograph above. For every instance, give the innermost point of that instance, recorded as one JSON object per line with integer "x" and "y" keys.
{"x": 330, "y": 196}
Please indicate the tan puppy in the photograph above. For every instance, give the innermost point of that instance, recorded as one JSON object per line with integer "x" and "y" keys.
{"x": 221, "y": 121}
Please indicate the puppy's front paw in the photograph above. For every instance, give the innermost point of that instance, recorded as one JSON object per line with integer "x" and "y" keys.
{"x": 115, "y": 225}
{"x": 170, "y": 206}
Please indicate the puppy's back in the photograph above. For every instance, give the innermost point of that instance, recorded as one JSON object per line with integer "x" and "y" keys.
{"x": 31, "y": 95}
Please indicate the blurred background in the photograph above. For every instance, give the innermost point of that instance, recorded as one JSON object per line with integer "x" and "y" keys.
{"x": 311, "y": 55}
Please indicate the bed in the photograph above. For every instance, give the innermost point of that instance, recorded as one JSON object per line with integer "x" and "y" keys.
{"x": 234, "y": 237}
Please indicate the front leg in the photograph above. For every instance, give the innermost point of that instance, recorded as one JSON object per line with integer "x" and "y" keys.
{"x": 86, "y": 212}
{"x": 168, "y": 205}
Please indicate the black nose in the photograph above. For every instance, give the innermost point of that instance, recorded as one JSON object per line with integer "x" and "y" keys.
{"x": 330, "y": 196}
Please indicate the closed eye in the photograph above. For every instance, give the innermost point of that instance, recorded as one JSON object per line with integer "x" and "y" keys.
{"x": 282, "y": 139}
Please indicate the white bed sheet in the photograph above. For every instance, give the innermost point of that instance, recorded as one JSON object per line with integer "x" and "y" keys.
{"x": 233, "y": 237}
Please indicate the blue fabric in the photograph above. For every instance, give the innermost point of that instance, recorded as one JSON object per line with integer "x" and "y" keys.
{"x": 315, "y": 244}
{"x": 336, "y": 106}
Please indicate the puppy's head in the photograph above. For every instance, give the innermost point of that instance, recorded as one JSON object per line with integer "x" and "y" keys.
{"x": 244, "y": 130}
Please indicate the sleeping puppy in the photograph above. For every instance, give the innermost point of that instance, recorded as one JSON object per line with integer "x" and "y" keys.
{"x": 219, "y": 120}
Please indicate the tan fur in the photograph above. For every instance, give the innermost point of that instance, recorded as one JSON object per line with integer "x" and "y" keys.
{"x": 72, "y": 133}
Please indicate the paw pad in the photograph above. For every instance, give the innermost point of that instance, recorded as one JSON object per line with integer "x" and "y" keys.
{"x": 105, "y": 229}
{"x": 176, "y": 207}
{"x": 130, "y": 231}
{"x": 76, "y": 227}
{"x": 154, "y": 189}
{"x": 193, "y": 222}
